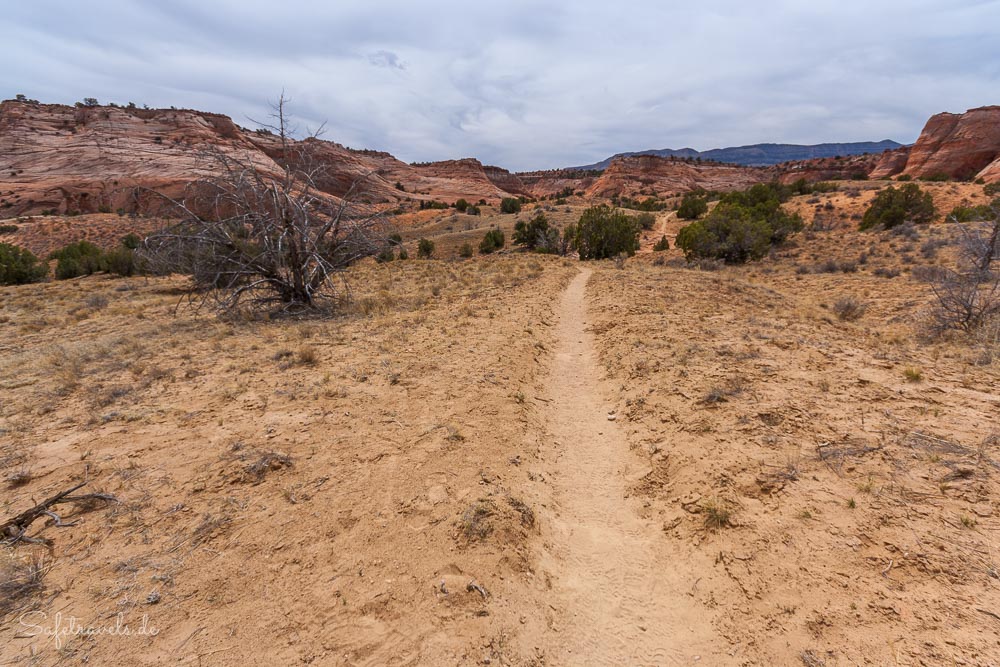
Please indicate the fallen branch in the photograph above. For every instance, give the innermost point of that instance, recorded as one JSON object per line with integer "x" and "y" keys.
{"x": 13, "y": 530}
{"x": 988, "y": 613}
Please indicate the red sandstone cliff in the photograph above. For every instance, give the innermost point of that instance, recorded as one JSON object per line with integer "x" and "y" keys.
{"x": 963, "y": 146}
{"x": 959, "y": 146}
{"x": 637, "y": 175}
{"x": 88, "y": 159}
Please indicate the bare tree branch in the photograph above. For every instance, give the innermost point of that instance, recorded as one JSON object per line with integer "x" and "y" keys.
{"x": 968, "y": 297}
{"x": 252, "y": 238}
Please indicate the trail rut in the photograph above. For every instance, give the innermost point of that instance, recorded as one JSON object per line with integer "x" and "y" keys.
{"x": 619, "y": 596}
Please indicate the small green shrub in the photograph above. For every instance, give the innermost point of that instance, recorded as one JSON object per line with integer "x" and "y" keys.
{"x": 603, "y": 232}
{"x": 121, "y": 262}
{"x": 77, "y": 259}
{"x": 84, "y": 258}
{"x": 534, "y": 234}
{"x": 648, "y": 204}
{"x": 461, "y": 206}
{"x": 742, "y": 227}
{"x": 970, "y": 213}
{"x": 8, "y": 229}
{"x": 692, "y": 207}
{"x": 509, "y": 205}
{"x": 894, "y": 206}
{"x": 992, "y": 189}
{"x": 493, "y": 241}
{"x": 425, "y": 248}
{"x": 936, "y": 178}
{"x": 19, "y": 266}
{"x": 802, "y": 187}
{"x": 646, "y": 220}
{"x": 731, "y": 235}
{"x": 661, "y": 245}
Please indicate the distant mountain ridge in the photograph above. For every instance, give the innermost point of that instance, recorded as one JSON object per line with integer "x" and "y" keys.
{"x": 762, "y": 155}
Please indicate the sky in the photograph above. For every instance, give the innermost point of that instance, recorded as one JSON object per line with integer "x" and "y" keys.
{"x": 523, "y": 85}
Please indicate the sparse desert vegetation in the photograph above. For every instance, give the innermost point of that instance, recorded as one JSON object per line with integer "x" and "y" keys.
{"x": 803, "y": 448}
{"x": 244, "y": 452}
{"x": 662, "y": 409}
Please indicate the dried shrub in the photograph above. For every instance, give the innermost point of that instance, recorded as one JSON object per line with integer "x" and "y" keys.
{"x": 968, "y": 297}
{"x": 259, "y": 241}
{"x": 21, "y": 582}
{"x": 849, "y": 308}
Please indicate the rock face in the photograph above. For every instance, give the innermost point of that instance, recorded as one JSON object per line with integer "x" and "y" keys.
{"x": 962, "y": 146}
{"x": 639, "y": 175}
{"x": 505, "y": 180}
{"x": 991, "y": 174}
{"x": 959, "y": 146}
{"x": 99, "y": 159}
{"x": 843, "y": 168}
{"x": 557, "y": 181}
{"x": 450, "y": 180}
{"x": 891, "y": 163}
{"x": 91, "y": 159}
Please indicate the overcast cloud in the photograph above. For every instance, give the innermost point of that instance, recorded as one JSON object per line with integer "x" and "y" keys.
{"x": 525, "y": 85}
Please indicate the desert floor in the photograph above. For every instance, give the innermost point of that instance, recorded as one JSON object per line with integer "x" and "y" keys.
{"x": 516, "y": 460}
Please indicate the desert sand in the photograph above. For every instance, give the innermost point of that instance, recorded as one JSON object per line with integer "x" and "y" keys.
{"x": 516, "y": 460}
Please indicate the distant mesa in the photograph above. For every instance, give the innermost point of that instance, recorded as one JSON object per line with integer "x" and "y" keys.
{"x": 91, "y": 158}
{"x": 761, "y": 155}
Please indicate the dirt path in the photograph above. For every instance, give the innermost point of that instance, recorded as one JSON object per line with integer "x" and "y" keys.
{"x": 619, "y": 597}
{"x": 650, "y": 238}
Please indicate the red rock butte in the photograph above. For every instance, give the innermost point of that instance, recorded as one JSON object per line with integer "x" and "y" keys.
{"x": 101, "y": 158}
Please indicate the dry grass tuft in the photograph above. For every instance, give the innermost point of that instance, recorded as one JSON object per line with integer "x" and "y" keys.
{"x": 475, "y": 522}
{"x": 849, "y": 308}
{"x": 526, "y": 513}
{"x": 18, "y": 478}
{"x": 718, "y": 515}
{"x": 21, "y": 582}
{"x": 307, "y": 356}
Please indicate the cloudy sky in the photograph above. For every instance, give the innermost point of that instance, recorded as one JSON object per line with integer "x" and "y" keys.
{"x": 525, "y": 85}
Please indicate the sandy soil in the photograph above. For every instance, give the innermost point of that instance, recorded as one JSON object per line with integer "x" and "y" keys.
{"x": 339, "y": 492}
{"x": 613, "y": 602}
{"x": 513, "y": 460}
{"x": 830, "y": 486}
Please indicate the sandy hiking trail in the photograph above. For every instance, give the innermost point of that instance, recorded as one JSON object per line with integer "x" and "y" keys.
{"x": 618, "y": 595}
{"x": 664, "y": 222}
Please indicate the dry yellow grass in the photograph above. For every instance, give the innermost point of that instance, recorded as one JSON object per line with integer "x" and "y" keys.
{"x": 863, "y": 458}
{"x": 309, "y": 477}
{"x": 815, "y": 478}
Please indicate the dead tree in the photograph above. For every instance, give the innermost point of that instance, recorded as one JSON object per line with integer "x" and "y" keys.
{"x": 968, "y": 297}
{"x": 254, "y": 238}
{"x": 13, "y": 530}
